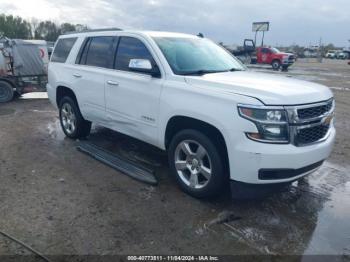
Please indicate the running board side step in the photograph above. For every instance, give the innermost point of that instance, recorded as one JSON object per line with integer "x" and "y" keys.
{"x": 125, "y": 166}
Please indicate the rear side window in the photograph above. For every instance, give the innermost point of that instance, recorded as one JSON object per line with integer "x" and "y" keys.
{"x": 97, "y": 51}
{"x": 131, "y": 48}
{"x": 62, "y": 49}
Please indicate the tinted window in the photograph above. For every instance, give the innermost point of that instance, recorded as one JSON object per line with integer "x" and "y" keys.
{"x": 99, "y": 52}
{"x": 131, "y": 48}
{"x": 62, "y": 49}
{"x": 81, "y": 57}
{"x": 265, "y": 51}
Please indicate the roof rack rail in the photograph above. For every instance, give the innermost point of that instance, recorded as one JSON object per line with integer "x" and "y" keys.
{"x": 94, "y": 30}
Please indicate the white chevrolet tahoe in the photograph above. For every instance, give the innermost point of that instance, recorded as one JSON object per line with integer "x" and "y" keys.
{"x": 220, "y": 123}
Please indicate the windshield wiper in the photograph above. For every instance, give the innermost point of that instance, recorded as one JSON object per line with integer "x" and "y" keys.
{"x": 234, "y": 70}
{"x": 202, "y": 72}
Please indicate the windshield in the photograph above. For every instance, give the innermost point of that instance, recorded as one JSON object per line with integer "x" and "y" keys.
{"x": 196, "y": 56}
{"x": 275, "y": 50}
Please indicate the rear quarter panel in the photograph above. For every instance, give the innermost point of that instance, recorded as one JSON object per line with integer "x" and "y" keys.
{"x": 59, "y": 74}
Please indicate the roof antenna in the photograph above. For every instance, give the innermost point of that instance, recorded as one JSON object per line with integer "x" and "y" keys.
{"x": 200, "y": 35}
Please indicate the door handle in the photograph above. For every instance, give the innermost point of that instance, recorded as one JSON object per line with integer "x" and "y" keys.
{"x": 112, "y": 83}
{"x": 77, "y": 75}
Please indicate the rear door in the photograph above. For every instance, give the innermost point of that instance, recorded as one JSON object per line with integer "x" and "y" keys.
{"x": 132, "y": 98}
{"x": 94, "y": 57}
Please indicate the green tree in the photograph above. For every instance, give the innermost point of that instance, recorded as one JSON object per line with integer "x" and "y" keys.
{"x": 329, "y": 47}
{"x": 80, "y": 27}
{"x": 15, "y": 27}
{"x": 50, "y": 31}
{"x": 67, "y": 27}
{"x": 47, "y": 30}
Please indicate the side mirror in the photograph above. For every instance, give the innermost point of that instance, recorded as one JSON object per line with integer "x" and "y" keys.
{"x": 144, "y": 66}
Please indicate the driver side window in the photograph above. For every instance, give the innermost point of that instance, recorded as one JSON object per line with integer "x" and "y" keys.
{"x": 131, "y": 48}
{"x": 265, "y": 51}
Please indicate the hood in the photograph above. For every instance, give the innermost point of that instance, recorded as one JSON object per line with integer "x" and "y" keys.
{"x": 283, "y": 53}
{"x": 268, "y": 88}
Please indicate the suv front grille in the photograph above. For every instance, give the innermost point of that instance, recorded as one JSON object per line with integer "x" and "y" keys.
{"x": 316, "y": 111}
{"x": 312, "y": 134}
{"x": 310, "y": 123}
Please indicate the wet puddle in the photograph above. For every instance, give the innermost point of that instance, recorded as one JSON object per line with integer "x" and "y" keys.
{"x": 311, "y": 217}
{"x": 308, "y": 74}
{"x": 55, "y": 131}
{"x": 34, "y": 95}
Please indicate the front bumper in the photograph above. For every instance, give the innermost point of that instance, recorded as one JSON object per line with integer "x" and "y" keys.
{"x": 247, "y": 158}
{"x": 287, "y": 62}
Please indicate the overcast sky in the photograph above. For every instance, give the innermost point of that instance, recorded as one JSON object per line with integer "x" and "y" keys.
{"x": 291, "y": 21}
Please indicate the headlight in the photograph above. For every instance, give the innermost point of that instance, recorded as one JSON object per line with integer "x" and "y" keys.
{"x": 272, "y": 124}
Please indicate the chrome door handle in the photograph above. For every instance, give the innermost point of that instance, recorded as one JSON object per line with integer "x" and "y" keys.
{"x": 76, "y": 75}
{"x": 112, "y": 83}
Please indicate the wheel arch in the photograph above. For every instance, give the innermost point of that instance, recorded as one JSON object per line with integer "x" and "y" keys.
{"x": 12, "y": 83}
{"x": 276, "y": 59}
{"x": 62, "y": 91}
{"x": 181, "y": 122}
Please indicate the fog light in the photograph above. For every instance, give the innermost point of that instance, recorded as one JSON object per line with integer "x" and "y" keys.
{"x": 272, "y": 130}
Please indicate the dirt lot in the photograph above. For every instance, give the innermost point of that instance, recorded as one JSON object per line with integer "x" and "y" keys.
{"x": 60, "y": 201}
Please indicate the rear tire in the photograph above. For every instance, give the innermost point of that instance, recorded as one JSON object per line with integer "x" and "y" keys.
{"x": 276, "y": 64}
{"x": 72, "y": 122}
{"x": 6, "y": 92}
{"x": 196, "y": 164}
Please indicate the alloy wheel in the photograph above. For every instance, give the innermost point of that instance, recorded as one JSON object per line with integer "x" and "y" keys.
{"x": 68, "y": 118}
{"x": 193, "y": 164}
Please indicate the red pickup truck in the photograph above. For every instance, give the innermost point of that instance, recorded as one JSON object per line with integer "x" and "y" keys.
{"x": 274, "y": 57}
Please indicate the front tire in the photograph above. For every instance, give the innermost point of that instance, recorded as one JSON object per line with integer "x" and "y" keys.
{"x": 196, "y": 164}
{"x": 72, "y": 122}
{"x": 276, "y": 65}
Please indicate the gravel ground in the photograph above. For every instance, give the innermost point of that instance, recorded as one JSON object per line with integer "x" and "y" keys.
{"x": 60, "y": 201}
